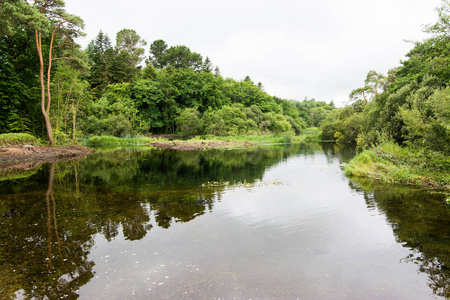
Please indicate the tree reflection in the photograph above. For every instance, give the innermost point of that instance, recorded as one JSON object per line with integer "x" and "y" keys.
{"x": 181, "y": 206}
{"x": 345, "y": 152}
{"x": 38, "y": 252}
{"x": 51, "y": 213}
{"x": 47, "y": 233}
{"x": 421, "y": 222}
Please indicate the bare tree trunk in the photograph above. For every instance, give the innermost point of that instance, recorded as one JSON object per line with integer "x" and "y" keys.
{"x": 48, "y": 125}
{"x": 74, "y": 119}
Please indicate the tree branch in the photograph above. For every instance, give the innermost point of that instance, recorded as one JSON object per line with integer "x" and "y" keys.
{"x": 65, "y": 44}
{"x": 58, "y": 58}
{"x": 44, "y": 7}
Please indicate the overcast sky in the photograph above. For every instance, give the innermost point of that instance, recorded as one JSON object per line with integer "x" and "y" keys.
{"x": 318, "y": 49}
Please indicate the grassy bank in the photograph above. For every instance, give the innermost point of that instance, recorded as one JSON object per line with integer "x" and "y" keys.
{"x": 115, "y": 141}
{"x": 263, "y": 139}
{"x": 394, "y": 164}
{"x": 310, "y": 135}
{"x": 17, "y": 139}
{"x": 255, "y": 139}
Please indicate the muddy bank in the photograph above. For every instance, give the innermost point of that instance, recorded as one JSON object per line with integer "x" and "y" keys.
{"x": 28, "y": 157}
{"x": 198, "y": 145}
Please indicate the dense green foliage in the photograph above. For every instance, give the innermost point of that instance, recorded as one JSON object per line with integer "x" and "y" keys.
{"x": 414, "y": 105}
{"x": 17, "y": 139}
{"x": 19, "y": 93}
{"x": 188, "y": 99}
{"x": 105, "y": 89}
{"x": 411, "y": 104}
{"x": 35, "y": 36}
{"x": 409, "y": 108}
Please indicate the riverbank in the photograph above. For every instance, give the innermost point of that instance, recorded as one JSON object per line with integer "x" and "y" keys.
{"x": 391, "y": 163}
{"x": 17, "y": 155}
{"x": 16, "y": 149}
{"x": 199, "y": 145}
{"x": 198, "y": 142}
{"x": 201, "y": 142}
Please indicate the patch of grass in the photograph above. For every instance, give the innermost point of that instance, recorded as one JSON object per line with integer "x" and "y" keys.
{"x": 394, "y": 164}
{"x": 115, "y": 141}
{"x": 311, "y": 130}
{"x": 263, "y": 139}
{"x": 308, "y": 135}
{"x": 17, "y": 139}
{"x": 306, "y": 138}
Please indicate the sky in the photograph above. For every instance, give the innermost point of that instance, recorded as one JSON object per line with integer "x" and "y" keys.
{"x": 319, "y": 49}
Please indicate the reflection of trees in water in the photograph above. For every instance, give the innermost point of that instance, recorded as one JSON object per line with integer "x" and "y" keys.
{"x": 131, "y": 169}
{"x": 343, "y": 151}
{"x": 421, "y": 222}
{"x": 168, "y": 181}
{"x": 41, "y": 253}
{"x": 132, "y": 212}
{"x": 47, "y": 234}
{"x": 176, "y": 206}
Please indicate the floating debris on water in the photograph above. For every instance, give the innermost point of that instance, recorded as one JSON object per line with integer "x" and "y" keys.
{"x": 216, "y": 183}
{"x": 244, "y": 183}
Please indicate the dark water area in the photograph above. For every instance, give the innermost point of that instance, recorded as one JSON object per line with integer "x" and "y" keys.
{"x": 279, "y": 222}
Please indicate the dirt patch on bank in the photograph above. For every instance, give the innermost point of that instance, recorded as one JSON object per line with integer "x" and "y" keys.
{"x": 27, "y": 156}
{"x": 198, "y": 145}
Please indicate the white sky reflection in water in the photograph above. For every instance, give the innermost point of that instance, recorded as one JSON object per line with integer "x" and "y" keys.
{"x": 305, "y": 238}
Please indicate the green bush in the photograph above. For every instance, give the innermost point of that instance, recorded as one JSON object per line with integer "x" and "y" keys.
{"x": 213, "y": 124}
{"x": 118, "y": 126}
{"x": 112, "y": 140}
{"x": 61, "y": 138}
{"x": 17, "y": 139}
{"x": 392, "y": 163}
{"x": 189, "y": 122}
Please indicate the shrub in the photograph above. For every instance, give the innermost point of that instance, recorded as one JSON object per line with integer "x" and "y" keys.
{"x": 214, "y": 124}
{"x": 118, "y": 126}
{"x": 189, "y": 122}
{"x": 17, "y": 139}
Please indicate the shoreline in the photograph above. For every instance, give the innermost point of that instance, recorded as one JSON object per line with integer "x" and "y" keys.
{"x": 392, "y": 164}
{"x": 199, "y": 145}
{"x": 26, "y": 154}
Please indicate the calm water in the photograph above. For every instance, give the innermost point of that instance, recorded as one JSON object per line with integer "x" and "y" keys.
{"x": 268, "y": 223}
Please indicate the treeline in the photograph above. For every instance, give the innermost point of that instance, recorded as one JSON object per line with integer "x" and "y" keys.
{"x": 116, "y": 90}
{"x": 179, "y": 91}
{"x": 409, "y": 106}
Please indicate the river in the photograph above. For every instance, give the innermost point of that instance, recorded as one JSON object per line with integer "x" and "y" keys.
{"x": 280, "y": 222}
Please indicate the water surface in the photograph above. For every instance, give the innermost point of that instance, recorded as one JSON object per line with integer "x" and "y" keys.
{"x": 261, "y": 223}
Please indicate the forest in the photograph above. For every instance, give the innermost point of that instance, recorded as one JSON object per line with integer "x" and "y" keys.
{"x": 53, "y": 89}
{"x": 60, "y": 93}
